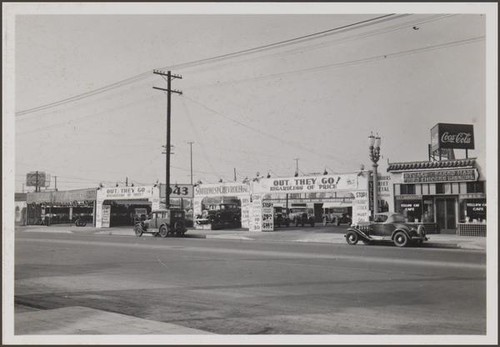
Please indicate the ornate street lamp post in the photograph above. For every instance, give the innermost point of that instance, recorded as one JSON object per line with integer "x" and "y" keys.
{"x": 374, "y": 147}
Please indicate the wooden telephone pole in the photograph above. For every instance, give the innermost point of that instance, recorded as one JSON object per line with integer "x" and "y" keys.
{"x": 169, "y": 76}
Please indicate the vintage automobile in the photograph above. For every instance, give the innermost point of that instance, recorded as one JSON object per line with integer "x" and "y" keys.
{"x": 221, "y": 215}
{"x": 336, "y": 219}
{"x": 280, "y": 217}
{"x": 387, "y": 227}
{"x": 301, "y": 216}
{"x": 166, "y": 222}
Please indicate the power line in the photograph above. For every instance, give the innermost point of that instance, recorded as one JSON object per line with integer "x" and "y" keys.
{"x": 147, "y": 74}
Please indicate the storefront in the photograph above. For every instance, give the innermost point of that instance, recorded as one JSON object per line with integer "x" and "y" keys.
{"x": 449, "y": 193}
{"x": 20, "y": 207}
{"x": 121, "y": 206}
{"x": 56, "y": 207}
{"x": 349, "y": 191}
{"x": 216, "y": 196}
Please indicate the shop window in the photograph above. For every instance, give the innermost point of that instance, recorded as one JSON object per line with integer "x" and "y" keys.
{"x": 439, "y": 188}
{"x": 475, "y": 210}
{"x": 475, "y": 187}
{"x": 411, "y": 210}
{"x": 407, "y": 189}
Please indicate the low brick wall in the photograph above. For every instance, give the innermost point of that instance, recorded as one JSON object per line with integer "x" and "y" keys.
{"x": 471, "y": 229}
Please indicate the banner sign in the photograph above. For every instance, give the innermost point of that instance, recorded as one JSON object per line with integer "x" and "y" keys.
{"x": 145, "y": 192}
{"x": 306, "y": 184}
{"x": 267, "y": 216}
{"x": 222, "y": 189}
{"x": 460, "y": 136}
{"x": 178, "y": 191}
{"x": 438, "y": 176}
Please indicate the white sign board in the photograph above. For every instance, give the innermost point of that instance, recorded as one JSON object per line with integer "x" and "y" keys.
{"x": 106, "y": 215}
{"x": 267, "y": 216}
{"x": 255, "y": 222}
{"x": 360, "y": 208}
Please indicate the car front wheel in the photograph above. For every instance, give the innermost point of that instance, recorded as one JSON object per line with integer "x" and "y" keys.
{"x": 352, "y": 238}
{"x": 400, "y": 239}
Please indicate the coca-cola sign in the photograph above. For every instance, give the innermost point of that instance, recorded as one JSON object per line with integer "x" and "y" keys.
{"x": 445, "y": 135}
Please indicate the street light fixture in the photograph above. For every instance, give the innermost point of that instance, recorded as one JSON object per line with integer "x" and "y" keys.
{"x": 374, "y": 148}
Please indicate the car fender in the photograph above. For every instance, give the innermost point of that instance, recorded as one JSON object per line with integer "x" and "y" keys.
{"x": 359, "y": 232}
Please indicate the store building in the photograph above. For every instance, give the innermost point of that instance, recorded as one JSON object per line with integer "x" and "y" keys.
{"x": 449, "y": 193}
{"x": 445, "y": 192}
{"x": 207, "y": 196}
{"x": 121, "y": 206}
{"x": 56, "y": 207}
{"x": 315, "y": 193}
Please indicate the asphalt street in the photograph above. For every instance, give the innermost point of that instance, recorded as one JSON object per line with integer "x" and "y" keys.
{"x": 225, "y": 286}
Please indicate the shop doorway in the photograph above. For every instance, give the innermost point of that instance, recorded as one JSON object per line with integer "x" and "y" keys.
{"x": 446, "y": 215}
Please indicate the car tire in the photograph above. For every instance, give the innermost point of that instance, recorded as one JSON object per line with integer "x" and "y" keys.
{"x": 351, "y": 238}
{"x": 163, "y": 231}
{"x": 419, "y": 243}
{"x": 312, "y": 223}
{"x": 400, "y": 239}
{"x": 296, "y": 222}
{"x": 138, "y": 231}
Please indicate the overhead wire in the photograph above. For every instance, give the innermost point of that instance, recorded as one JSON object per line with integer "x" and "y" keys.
{"x": 146, "y": 74}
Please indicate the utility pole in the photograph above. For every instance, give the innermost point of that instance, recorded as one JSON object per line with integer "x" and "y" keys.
{"x": 55, "y": 183}
{"x": 126, "y": 181}
{"x": 36, "y": 184}
{"x": 191, "y": 157}
{"x": 169, "y": 91}
{"x": 235, "y": 174}
{"x": 297, "y": 166}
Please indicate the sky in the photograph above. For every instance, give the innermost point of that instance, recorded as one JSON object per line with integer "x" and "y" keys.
{"x": 316, "y": 99}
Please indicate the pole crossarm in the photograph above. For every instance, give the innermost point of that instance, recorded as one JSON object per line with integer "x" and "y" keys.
{"x": 169, "y": 90}
{"x": 162, "y": 73}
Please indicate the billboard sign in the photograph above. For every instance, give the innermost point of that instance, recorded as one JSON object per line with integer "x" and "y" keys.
{"x": 36, "y": 178}
{"x": 458, "y": 136}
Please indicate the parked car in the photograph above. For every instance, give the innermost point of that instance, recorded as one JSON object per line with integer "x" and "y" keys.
{"x": 301, "y": 216}
{"x": 336, "y": 218}
{"x": 162, "y": 223}
{"x": 222, "y": 215}
{"x": 280, "y": 217}
{"x": 387, "y": 227}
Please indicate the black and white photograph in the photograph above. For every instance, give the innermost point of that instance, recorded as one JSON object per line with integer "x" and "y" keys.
{"x": 250, "y": 173}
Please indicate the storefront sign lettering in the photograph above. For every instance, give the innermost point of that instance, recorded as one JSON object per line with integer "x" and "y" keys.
{"x": 125, "y": 193}
{"x": 307, "y": 184}
{"x": 226, "y": 189}
{"x": 440, "y": 176}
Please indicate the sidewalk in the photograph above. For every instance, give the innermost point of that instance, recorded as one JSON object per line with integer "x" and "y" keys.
{"x": 84, "y": 320}
{"x": 319, "y": 234}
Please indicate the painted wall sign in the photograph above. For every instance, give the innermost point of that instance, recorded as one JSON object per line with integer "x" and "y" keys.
{"x": 437, "y": 176}
{"x": 307, "y": 184}
{"x": 445, "y": 135}
{"x": 63, "y": 197}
